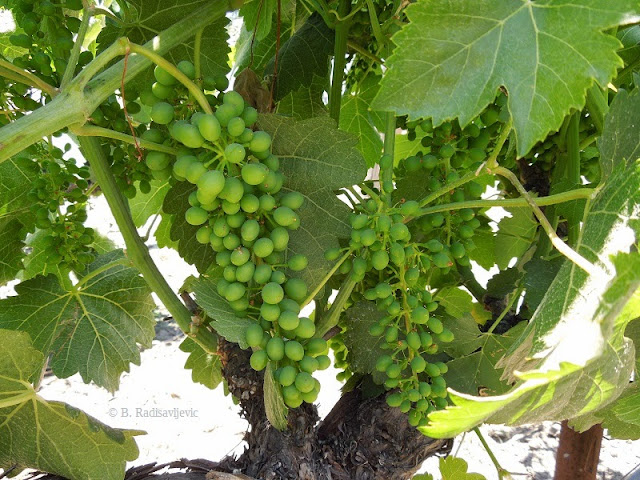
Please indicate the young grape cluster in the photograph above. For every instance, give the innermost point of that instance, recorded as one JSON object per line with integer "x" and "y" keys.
{"x": 245, "y": 217}
{"x": 58, "y": 201}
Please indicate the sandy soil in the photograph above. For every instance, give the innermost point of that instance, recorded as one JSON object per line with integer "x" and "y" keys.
{"x": 213, "y": 428}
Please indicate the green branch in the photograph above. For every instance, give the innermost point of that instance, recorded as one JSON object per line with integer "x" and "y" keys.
{"x": 94, "y": 131}
{"x": 577, "y": 194}
{"x": 502, "y": 473}
{"x": 572, "y": 171}
{"x": 28, "y": 78}
{"x": 375, "y": 24}
{"x": 597, "y": 105}
{"x": 326, "y": 278}
{"x": 389, "y": 149}
{"x": 339, "y": 61}
{"x": 77, "y": 47}
{"x": 447, "y": 189}
{"x": 330, "y": 319}
{"x": 137, "y": 251}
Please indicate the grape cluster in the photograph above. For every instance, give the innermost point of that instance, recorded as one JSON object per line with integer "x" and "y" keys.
{"x": 245, "y": 217}
{"x": 58, "y": 201}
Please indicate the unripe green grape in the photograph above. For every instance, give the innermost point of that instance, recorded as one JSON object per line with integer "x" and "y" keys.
{"x": 412, "y": 276}
{"x": 267, "y": 203}
{"x": 441, "y": 260}
{"x": 287, "y": 376}
{"x": 376, "y": 330}
{"x": 258, "y": 360}
{"x": 244, "y": 273}
{"x": 235, "y": 291}
{"x": 164, "y": 77}
{"x": 249, "y": 203}
{"x": 418, "y": 364}
{"x": 457, "y": 250}
{"x": 426, "y": 339}
{"x": 235, "y": 127}
{"x": 240, "y": 256}
{"x": 233, "y": 190}
{"x": 441, "y": 402}
{"x": 262, "y": 274}
{"x": 223, "y": 258}
{"x": 211, "y": 183}
{"x": 391, "y": 334}
{"x": 397, "y": 254}
{"x": 234, "y": 153}
{"x": 394, "y": 370}
{"x": 224, "y": 113}
{"x": 263, "y": 247}
{"x": 434, "y": 245}
{"x": 399, "y": 231}
{"x": 432, "y": 370}
{"x": 272, "y": 162}
{"x": 161, "y": 175}
{"x": 413, "y": 340}
{"x": 203, "y": 235}
{"x": 209, "y": 127}
{"x": 443, "y": 367}
{"x": 368, "y": 237}
{"x": 196, "y": 216}
{"x": 324, "y": 362}
{"x": 304, "y": 382}
{"x": 316, "y": 346}
{"x": 409, "y": 208}
{"x": 235, "y": 100}
{"x": 162, "y": 113}
{"x": 250, "y": 116}
{"x": 435, "y": 325}
{"x": 289, "y": 321}
{"x": 293, "y": 200}
{"x": 383, "y": 290}
{"x": 253, "y": 335}
{"x": 161, "y": 91}
{"x": 383, "y": 363}
{"x": 446, "y": 336}
{"x": 296, "y": 289}
{"x": 380, "y": 260}
{"x": 275, "y": 349}
{"x": 180, "y": 168}
{"x": 254, "y": 173}
{"x": 298, "y": 262}
{"x": 269, "y": 312}
{"x": 260, "y": 142}
{"x": 186, "y": 67}
{"x": 358, "y": 222}
{"x": 250, "y": 230}
{"x": 332, "y": 254}
{"x": 195, "y": 171}
{"x": 276, "y": 258}
{"x": 157, "y": 160}
{"x": 394, "y": 308}
{"x": 395, "y": 399}
{"x": 272, "y": 293}
{"x": 308, "y": 364}
{"x": 290, "y": 305}
{"x": 231, "y": 241}
{"x": 306, "y": 328}
{"x": 294, "y": 350}
{"x": 221, "y": 227}
{"x": 230, "y": 208}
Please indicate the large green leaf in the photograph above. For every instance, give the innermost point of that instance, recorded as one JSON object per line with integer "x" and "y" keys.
{"x": 224, "y": 320}
{"x": 545, "y": 53}
{"x": 258, "y": 17}
{"x": 205, "y": 367}
{"x": 92, "y": 328}
{"x": 573, "y": 354}
{"x": 514, "y": 237}
{"x": 453, "y": 468}
{"x": 316, "y": 159}
{"x": 257, "y": 53}
{"x": 356, "y": 117}
{"x": 622, "y": 417}
{"x": 176, "y": 203}
{"x": 305, "y": 102}
{"x": 16, "y": 177}
{"x": 305, "y": 55}
{"x": 52, "y": 436}
{"x": 477, "y": 373}
{"x": 145, "y": 205}
{"x": 619, "y": 141}
{"x": 364, "y": 349}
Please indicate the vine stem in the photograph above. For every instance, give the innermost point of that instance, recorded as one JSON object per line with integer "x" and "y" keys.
{"x": 492, "y": 161}
{"x": 597, "y": 105}
{"x": 572, "y": 171}
{"x": 339, "y": 61}
{"x": 29, "y": 78}
{"x": 506, "y": 310}
{"x": 175, "y": 72}
{"x": 197, "y": 49}
{"x": 70, "y": 69}
{"x": 326, "y": 278}
{"x": 501, "y": 471}
{"x": 576, "y": 194}
{"x": 375, "y": 23}
{"x": 137, "y": 251}
{"x": 448, "y": 187}
{"x": 556, "y": 241}
{"x": 95, "y": 131}
{"x": 389, "y": 149}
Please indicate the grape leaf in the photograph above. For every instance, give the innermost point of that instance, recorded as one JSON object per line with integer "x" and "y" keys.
{"x": 477, "y": 373}
{"x": 263, "y": 50}
{"x": 456, "y": 302}
{"x": 363, "y": 348}
{"x": 224, "y": 320}
{"x": 52, "y": 436}
{"x": 515, "y": 234}
{"x": 205, "y": 367}
{"x": 466, "y": 333}
{"x": 145, "y": 205}
{"x": 316, "y": 159}
{"x": 619, "y": 143}
{"x": 504, "y": 282}
{"x": 258, "y": 17}
{"x": 7, "y": 49}
{"x": 274, "y": 405}
{"x": 484, "y": 253}
{"x": 539, "y": 275}
{"x": 356, "y": 118}
{"x": 92, "y": 328}
{"x": 453, "y": 468}
{"x": 622, "y": 417}
{"x": 472, "y": 49}
{"x": 305, "y": 102}
{"x": 303, "y": 56}
{"x": 176, "y": 203}
{"x": 16, "y": 177}
{"x": 573, "y": 355}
